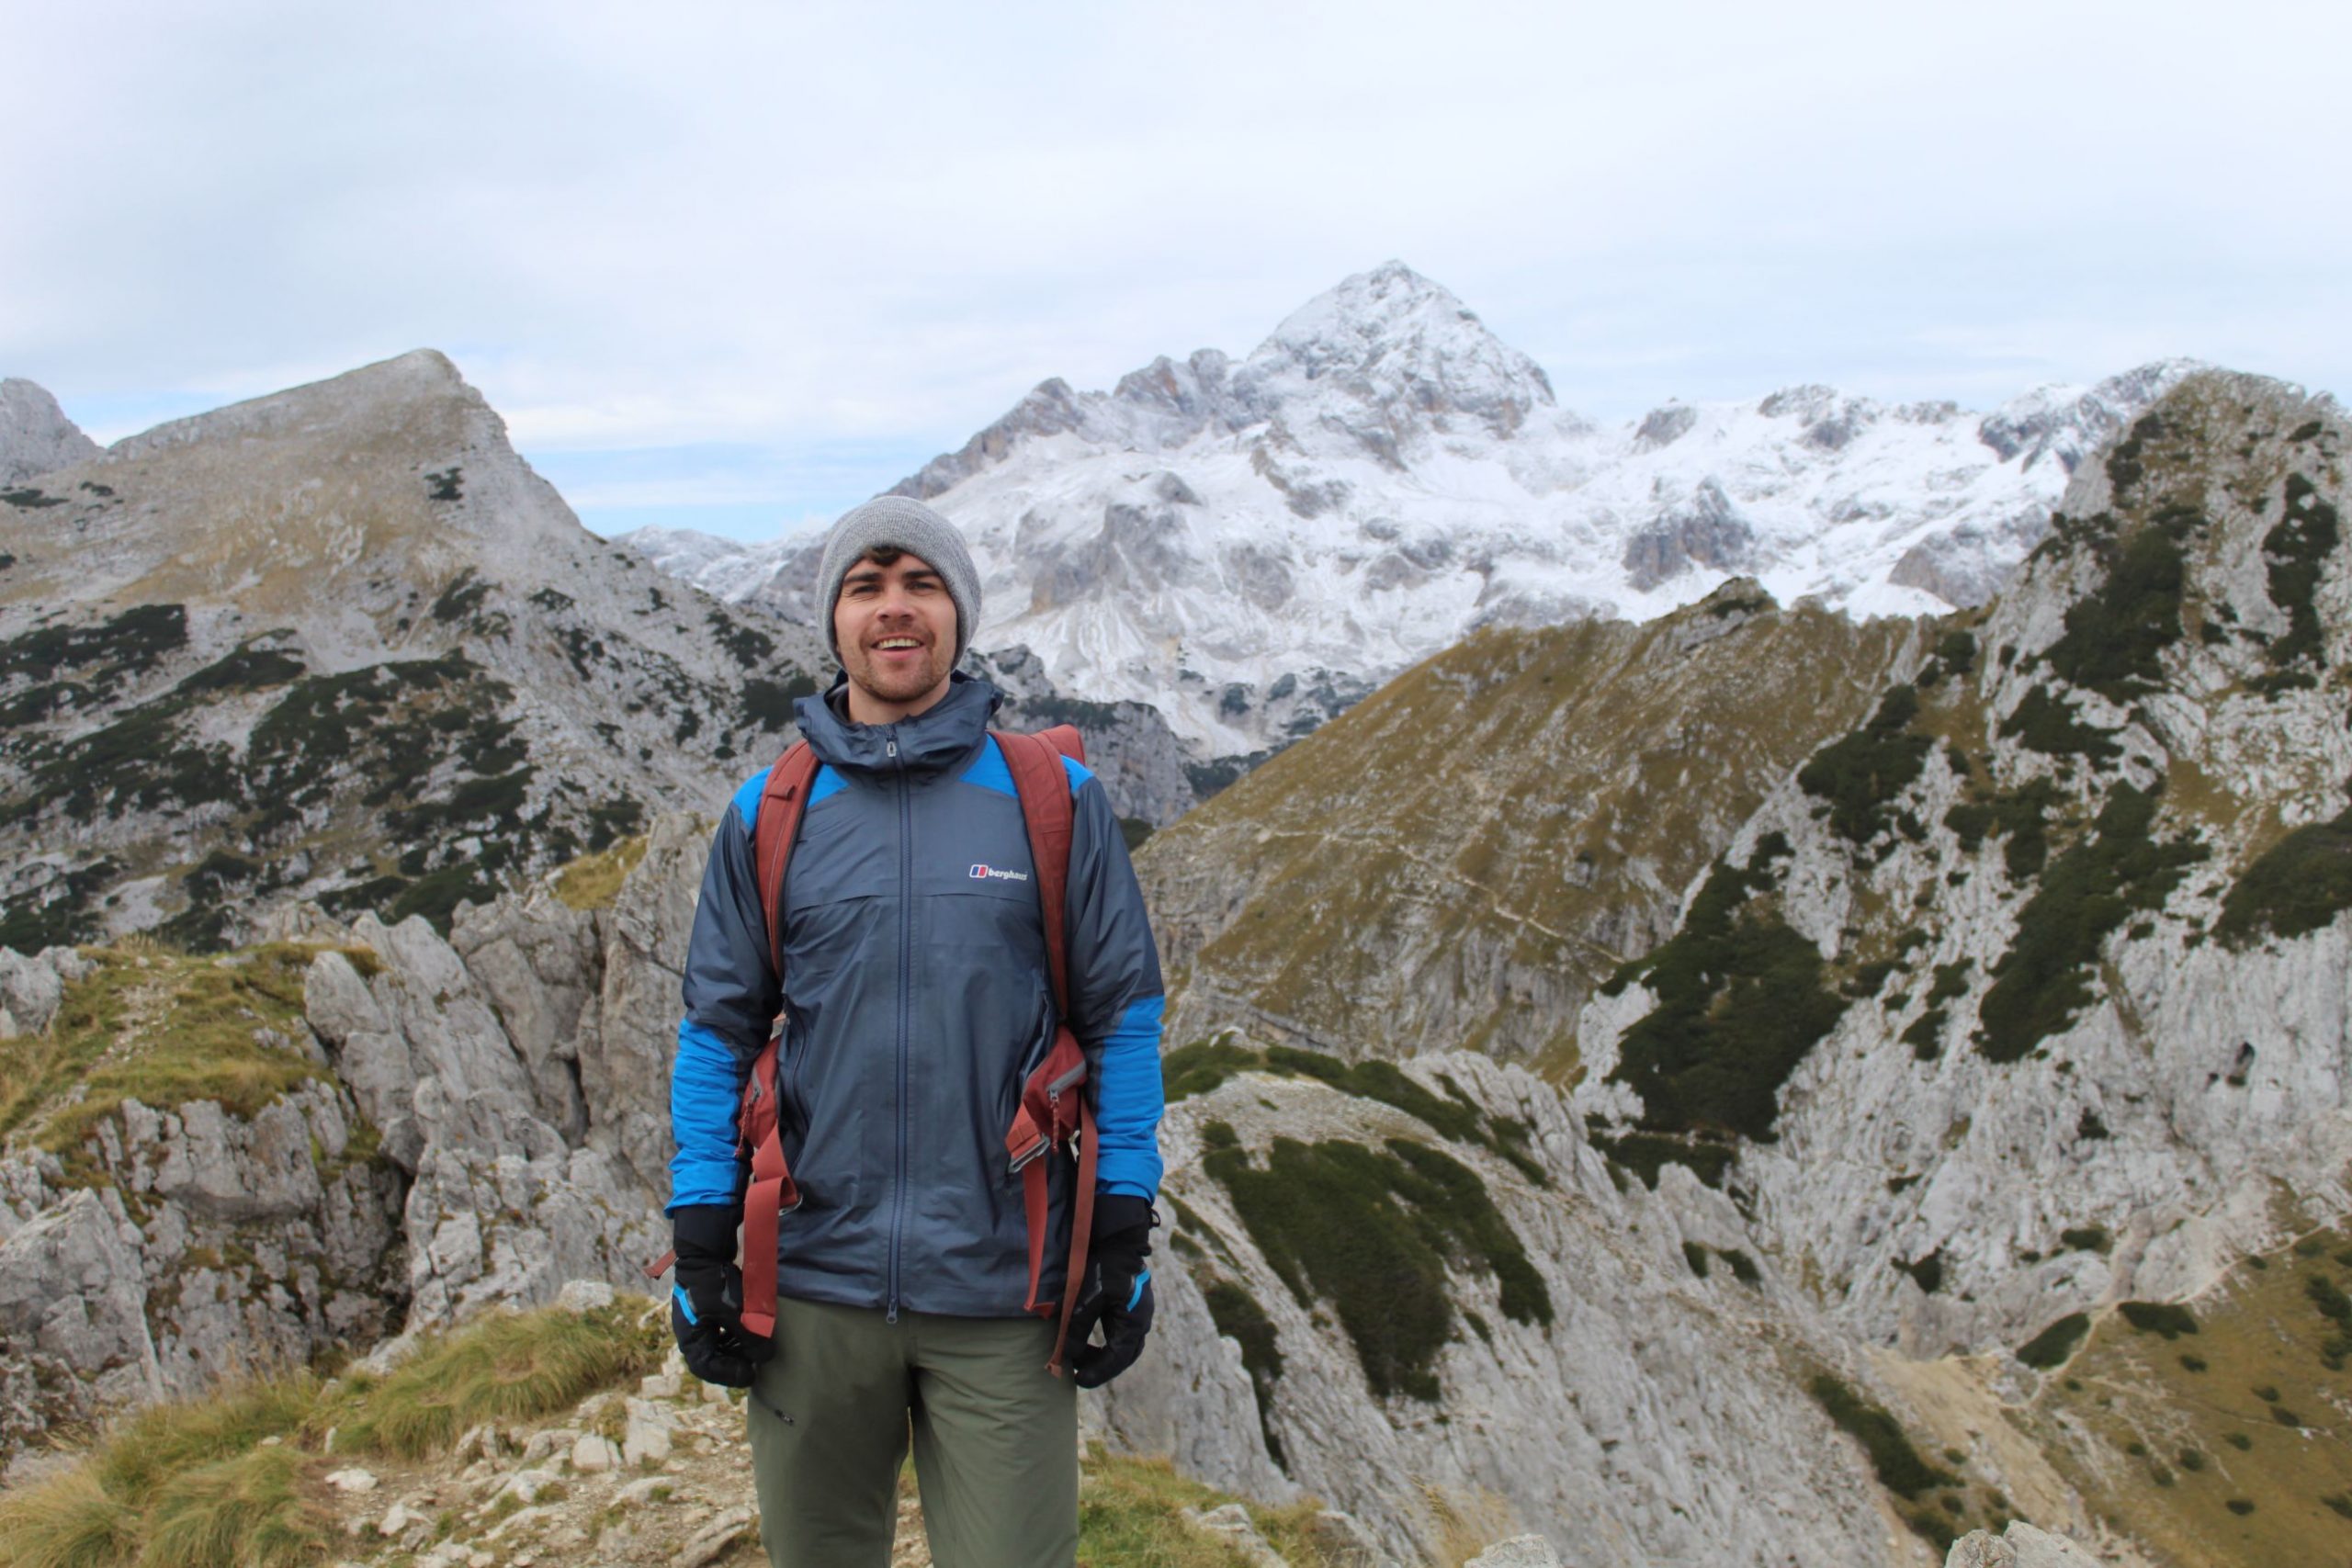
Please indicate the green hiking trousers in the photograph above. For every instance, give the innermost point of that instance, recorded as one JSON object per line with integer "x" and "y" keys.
{"x": 995, "y": 1438}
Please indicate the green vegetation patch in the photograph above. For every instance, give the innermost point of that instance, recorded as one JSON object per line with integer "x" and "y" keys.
{"x": 2116, "y": 635}
{"x": 750, "y": 647}
{"x": 248, "y": 668}
{"x": 1861, "y": 774}
{"x": 2050, "y": 1348}
{"x": 767, "y": 703}
{"x": 2298, "y": 884}
{"x": 1648, "y": 1153}
{"x": 2046, "y": 723}
{"x": 1203, "y": 1064}
{"x": 1239, "y": 1317}
{"x": 1133, "y": 1511}
{"x": 2294, "y": 551}
{"x": 2042, "y": 981}
{"x": 2168, "y": 1320}
{"x": 130, "y": 644}
{"x": 1370, "y": 1231}
{"x": 1899, "y": 1466}
{"x": 2019, "y": 818}
{"x": 1741, "y": 999}
{"x": 237, "y": 1479}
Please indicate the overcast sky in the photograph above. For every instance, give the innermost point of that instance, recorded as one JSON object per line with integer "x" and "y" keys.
{"x": 737, "y": 267}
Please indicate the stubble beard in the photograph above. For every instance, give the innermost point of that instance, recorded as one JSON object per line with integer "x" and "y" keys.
{"x": 902, "y": 686}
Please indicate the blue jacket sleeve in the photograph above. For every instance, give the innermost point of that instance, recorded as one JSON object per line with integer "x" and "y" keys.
{"x": 732, "y": 998}
{"x": 1115, "y": 991}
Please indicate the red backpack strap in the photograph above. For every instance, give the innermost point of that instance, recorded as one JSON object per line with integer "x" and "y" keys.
{"x": 757, "y": 1119}
{"x": 1054, "y": 1107}
{"x": 781, "y": 804}
{"x": 760, "y": 1123}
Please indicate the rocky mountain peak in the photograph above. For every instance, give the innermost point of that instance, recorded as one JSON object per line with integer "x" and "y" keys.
{"x": 35, "y": 434}
{"x": 1399, "y": 347}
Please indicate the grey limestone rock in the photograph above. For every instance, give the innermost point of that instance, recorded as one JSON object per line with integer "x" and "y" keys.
{"x": 73, "y": 1334}
{"x": 2019, "y": 1546}
{"x": 1518, "y": 1552}
{"x": 35, "y": 434}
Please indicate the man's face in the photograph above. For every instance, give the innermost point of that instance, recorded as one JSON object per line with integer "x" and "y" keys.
{"x": 895, "y": 628}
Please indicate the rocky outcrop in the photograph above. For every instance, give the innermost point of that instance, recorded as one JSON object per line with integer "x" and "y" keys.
{"x": 341, "y": 644}
{"x": 35, "y": 435}
{"x": 187, "y": 1245}
{"x": 1639, "y": 1412}
{"x": 488, "y": 1121}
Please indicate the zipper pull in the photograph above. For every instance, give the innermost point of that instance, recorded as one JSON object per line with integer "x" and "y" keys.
{"x": 889, "y": 748}
{"x": 893, "y": 1315}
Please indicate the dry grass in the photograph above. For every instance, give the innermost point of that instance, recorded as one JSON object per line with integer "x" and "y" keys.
{"x": 1467, "y": 1523}
{"x": 258, "y": 1510}
{"x": 67, "y": 1521}
{"x": 234, "y": 1480}
{"x": 506, "y": 1367}
{"x": 161, "y": 1027}
{"x": 1131, "y": 1514}
{"x": 2120, "y": 1417}
{"x": 594, "y": 881}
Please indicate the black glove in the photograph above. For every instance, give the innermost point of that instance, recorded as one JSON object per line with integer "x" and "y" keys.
{"x": 1116, "y": 1292}
{"x": 706, "y": 1302}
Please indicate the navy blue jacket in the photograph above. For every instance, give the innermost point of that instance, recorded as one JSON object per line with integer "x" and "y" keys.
{"x": 918, "y": 1000}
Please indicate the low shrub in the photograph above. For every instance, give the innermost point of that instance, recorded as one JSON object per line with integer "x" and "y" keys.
{"x": 1898, "y": 1466}
{"x": 2051, "y": 1348}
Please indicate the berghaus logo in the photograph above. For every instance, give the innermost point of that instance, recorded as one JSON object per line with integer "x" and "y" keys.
{"x": 983, "y": 872}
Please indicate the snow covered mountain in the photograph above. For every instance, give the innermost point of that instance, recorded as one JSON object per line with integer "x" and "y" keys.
{"x": 1253, "y": 545}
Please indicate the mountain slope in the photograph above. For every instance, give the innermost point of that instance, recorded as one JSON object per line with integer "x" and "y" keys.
{"x": 1459, "y": 859}
{"x": 341, "y": 643}
{"x": 1253, "y": 545}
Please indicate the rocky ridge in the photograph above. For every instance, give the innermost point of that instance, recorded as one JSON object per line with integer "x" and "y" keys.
{"x": 1253, "y": 544}
{"x": 341, "y": 643}
{"x": 1461, "y": 858}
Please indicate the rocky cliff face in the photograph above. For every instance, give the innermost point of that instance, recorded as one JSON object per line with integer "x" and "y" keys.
{"x": 35, "y": 435}
{"x": 1457, "y": 861}
{"x": 341, "y": 643}
{"x": 216, "y": 1163}
{"x": 2051, "y": 963}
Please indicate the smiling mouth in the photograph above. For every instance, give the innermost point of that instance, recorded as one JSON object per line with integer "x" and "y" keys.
{"x": 897, "y": 645}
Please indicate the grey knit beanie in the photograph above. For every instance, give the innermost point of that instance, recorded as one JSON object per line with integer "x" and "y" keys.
{"x": 901, "y": 523}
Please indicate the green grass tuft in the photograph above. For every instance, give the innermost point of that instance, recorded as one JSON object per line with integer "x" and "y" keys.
{"x": 254, "y": 1511}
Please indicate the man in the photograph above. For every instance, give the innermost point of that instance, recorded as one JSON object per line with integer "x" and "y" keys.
{"x": 917, "y": 999}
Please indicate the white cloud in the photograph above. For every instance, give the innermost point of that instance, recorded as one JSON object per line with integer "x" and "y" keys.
{"x": 878, "y": 225}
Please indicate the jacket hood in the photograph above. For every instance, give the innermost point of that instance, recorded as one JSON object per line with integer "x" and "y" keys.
{"x": 939, "y": 737}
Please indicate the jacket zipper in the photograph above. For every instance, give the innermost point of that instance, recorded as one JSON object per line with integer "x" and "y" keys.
{"x": 906, "y": 1003}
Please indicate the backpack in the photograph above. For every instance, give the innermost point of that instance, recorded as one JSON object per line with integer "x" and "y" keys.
{"x": 1052, "y": 1111}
